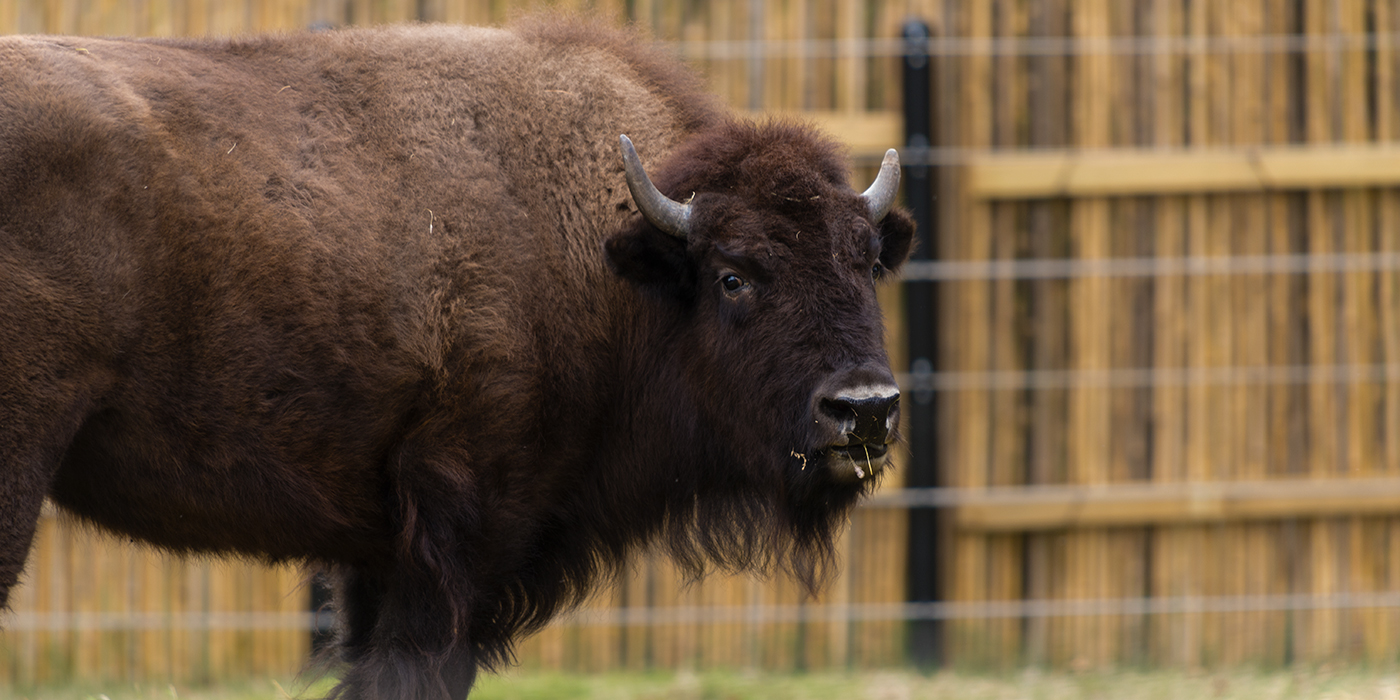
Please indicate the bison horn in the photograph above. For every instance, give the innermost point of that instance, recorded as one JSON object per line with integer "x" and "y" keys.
{"x": 663, "y": 212}
{"x": 880, "y": 197}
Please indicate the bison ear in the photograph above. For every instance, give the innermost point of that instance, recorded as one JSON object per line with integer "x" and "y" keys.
{"x": 896, "y": 239}
{"x": 652, "y": 260}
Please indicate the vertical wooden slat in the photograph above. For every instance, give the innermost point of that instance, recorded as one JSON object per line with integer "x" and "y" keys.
{"x": 1319, "y": 628}
{"x": 1121, "y": 427}
{"x": 1088, "y": 456}
{"x": 1047, "y": 232}
{"x": 1194, "y": 565}
{"x": 1168, "y": 348}
{"x": 149, "y": 651}
{"x": 969, "y": 301}
{"x": 686, "y": 640}
{"x": 9, "y": 16}
{"x": 633, "y": 639}
{"x": 1133, "y": 337}
{"x": 850, "y": 76}
{"x": 1279, "y": 328}
{"x": 596, "y": 644}
{"x": 1211, "y": 324}
{"x": 30, "y": 16}
{"x": 1357, "y": 339}
{"x": 25, "y": 647}
{"x": 797, "y": 85}
{"x": 1249, "y": 550}
{"x": 551, "y": 649}
{"x": 1387, "y": 223}
{"x": 1006, "y": 458}
{"x": 160, "y": 18}
{"x": 54, "y": 17}
{"x": 838, "y": 638}
{"x": 85, "y": 600}
{"x": 877, "y": 564}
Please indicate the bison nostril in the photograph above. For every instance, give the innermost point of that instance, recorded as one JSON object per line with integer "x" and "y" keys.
{"x": 864, "y": 416}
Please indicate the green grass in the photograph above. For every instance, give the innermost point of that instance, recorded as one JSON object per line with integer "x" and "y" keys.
{"x": 264, "y": 689}
{"x": 1323, "y": 684}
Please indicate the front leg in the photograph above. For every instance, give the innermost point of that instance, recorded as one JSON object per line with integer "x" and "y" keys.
{"x": 406, "y": 620}
{"x": 399, "y": 641}
{"x": 50, "y": 382}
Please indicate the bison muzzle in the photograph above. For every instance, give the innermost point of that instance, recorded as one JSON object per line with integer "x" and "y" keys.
{"x": 392, "y": 304}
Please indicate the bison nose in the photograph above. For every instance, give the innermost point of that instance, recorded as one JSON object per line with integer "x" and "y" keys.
{"x": 858, "y": 405}
{"x": 864, "y": 415}
{"x": 855, "y": 413}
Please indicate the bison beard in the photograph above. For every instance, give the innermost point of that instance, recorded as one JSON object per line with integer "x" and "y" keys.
{"x": 382, "y": 302}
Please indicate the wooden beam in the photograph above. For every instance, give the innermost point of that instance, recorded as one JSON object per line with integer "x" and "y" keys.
{"x": 1033, "y": 175}
{"x": 1033, "y": 508}
{"x": 867, "y": 134}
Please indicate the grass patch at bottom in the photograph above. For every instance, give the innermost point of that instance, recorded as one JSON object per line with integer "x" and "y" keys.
{"x": 1028, "y": 684}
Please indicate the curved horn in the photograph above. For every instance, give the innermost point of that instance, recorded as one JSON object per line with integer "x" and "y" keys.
{"x": 880, "y": 197}
{"x": 663, "y": 212}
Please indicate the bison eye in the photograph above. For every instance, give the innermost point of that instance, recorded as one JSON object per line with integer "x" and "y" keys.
{"x": 877, "y": 271}
{"x": 732, "y": 283}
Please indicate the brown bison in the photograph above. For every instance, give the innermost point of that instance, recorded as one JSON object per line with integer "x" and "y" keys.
{"x": 401, "y": 305}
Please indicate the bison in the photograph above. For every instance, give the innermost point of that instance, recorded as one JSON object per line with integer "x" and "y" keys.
{"x": 400, "y": 304}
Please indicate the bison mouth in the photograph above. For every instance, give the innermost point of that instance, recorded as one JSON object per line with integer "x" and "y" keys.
{"x": 856, "y": 461}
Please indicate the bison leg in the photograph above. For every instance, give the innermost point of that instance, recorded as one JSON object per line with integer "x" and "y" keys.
{"x": 22, "y": 487}
{"x": 398, "y": 641}
{"x": 38, "y": 420}
{"x": 52, "y": 374}
{"x": 33, "y": 436}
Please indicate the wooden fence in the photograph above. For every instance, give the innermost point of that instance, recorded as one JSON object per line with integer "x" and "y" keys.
{"x": 96, "y": 607}
{"x": 1260, "y": 75}
{"x": 1093, "y": 133}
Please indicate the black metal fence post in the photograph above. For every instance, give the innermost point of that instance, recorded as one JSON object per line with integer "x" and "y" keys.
{"x": 925, "y": 636}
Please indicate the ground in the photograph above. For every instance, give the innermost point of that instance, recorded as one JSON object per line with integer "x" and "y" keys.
{"x": 1299, "y": 684}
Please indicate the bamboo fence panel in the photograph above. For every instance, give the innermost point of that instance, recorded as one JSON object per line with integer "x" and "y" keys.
{"x": 167, "y": 612}
{"x": 1331, "y": 92}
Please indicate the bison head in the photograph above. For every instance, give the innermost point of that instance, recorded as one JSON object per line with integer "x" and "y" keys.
{"x": 769, "y": 261}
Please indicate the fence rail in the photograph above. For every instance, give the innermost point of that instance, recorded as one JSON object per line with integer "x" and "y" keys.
{"x": 763, "y": 614}
{"x": 1060, "y": 269}
{"x": 1026, "y": 47}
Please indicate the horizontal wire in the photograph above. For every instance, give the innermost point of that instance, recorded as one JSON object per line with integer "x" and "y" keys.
{"x": 893, "y": 612}
{"x": 948, "y": 156}
{"x": 1186, "y": 266}
{"x": 134, "y": 620}
{"x": 1141, "y": 492}
{"x": 1148, "y": 377}
{"x": 751, "y": 614}
{"x": 738, "y": 49}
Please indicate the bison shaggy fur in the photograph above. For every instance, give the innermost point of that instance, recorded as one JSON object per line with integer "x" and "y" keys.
{"x": 380, "y": 302}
